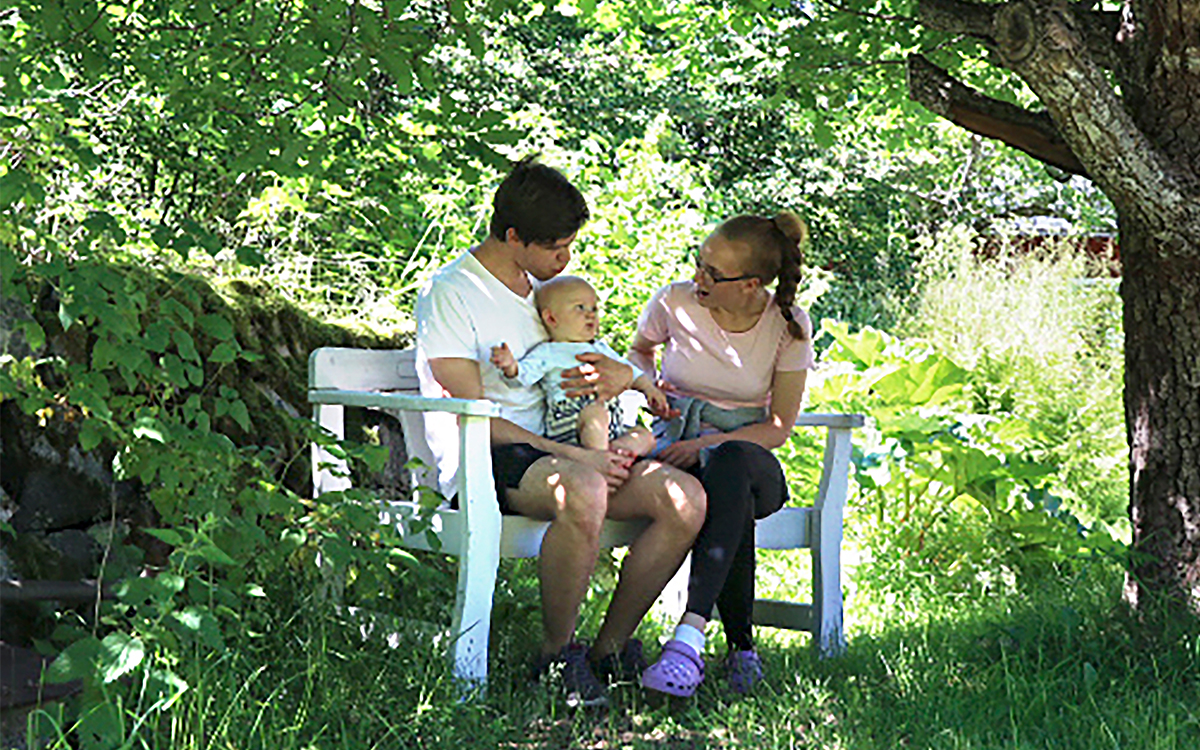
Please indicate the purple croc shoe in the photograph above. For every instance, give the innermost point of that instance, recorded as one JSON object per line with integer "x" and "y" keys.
{"x": 743, "y": 669}
{"x": 678, "y": 671}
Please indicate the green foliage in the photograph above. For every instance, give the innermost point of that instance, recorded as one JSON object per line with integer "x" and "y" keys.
{"x": 952, "y": 500}
{"x": 140, "y": 368}
{"x": 1041, "y": 331}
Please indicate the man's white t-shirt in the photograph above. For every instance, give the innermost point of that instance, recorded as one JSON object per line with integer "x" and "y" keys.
{"x": 462, "y": 313}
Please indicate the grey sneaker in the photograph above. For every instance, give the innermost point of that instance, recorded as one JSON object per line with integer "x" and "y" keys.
{"x": 626, "y": 666}
{"x": 570, "y": 670}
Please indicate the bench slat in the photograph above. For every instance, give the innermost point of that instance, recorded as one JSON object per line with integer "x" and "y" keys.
{"x": 787, "y": 528}
{"x": 400, "y": 401}
{"x": 776, "y": 614}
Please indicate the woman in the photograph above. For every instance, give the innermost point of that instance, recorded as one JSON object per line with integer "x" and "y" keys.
{"x": 734, "y": 362}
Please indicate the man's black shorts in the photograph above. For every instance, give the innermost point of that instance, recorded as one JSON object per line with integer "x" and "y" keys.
{"x": 509, "y": 464}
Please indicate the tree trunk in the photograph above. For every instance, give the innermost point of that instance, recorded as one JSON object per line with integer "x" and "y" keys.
{"x": 1161, "y": 293}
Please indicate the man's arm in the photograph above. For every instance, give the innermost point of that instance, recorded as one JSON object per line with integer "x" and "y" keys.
{"x": 461, "y": 379}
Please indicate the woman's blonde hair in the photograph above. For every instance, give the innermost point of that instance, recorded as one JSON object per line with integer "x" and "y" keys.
{"x": 776, "y": 251}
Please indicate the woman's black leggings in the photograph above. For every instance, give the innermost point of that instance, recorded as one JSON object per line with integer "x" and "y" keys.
{"x": 744, "y": 482}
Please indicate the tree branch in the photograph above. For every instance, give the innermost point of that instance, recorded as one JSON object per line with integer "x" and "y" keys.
{"x": 1031, "y": 132}
{"x": 1042, "y": 41}
{"x": 958, "y": 17}
{"x": 1099, "y": 28}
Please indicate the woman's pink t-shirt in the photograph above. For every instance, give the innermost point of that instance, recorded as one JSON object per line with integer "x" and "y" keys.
{"x": 702, "y": 359}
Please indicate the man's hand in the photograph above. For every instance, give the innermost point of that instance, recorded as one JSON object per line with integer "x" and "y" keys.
{"x": 502, "y": 357}
{"x": 598, "y": 376}
{"x": 613, "y": 466}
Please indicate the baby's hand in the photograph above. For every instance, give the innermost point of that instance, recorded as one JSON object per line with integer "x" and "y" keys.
{"x": 502, "y": 357}
{"x": 659, "y": 405}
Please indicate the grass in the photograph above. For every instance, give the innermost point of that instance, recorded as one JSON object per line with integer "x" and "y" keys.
{"x": 1060, "y": 667}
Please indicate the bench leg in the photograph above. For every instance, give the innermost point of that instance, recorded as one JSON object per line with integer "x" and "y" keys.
{"x": 480, "y": 556}
{"x": 672, "y": 602}
{"x": 826, "y": 529}
{"x": 471, "y": 626}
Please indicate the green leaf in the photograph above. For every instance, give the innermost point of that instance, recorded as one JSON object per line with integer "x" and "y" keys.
{"x": 201, "y": 624}
{"x": 823, "y": 134}
{"x": 237, "y": 410}
{"x": 65, "y": 317}
{"x": 396, "y": 63}
{"x": 474, "y": 41}
{"x": 120, "y": 654}
{"x": 176, "y": 374}
{"x": 216, "y": 326}
{"x": 185, "y": 345}
{"x": 164, "y": 687}
{"x": 293, "y": 539}
{"x": 223, "y": 353}
{"x": 76, "y": 662}
{"x": 13, "y": 186}
{"x": 162, "y": 236}
{"x": 100, "y": 728}
{"x": 215, "y": 555}
{"x": 250, "y": 256}
{"x": 35, "y": 336}
{"x": 149, "y": 428}
{"x": 375, "y": 457}
{"x": 157, "y": 336}
{"x": 178, "y": 310}
{"x": 170, "y": 536}
{"x": 91, "y": 432}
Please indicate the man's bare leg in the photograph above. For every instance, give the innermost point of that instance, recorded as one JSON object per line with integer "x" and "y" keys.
{"x": 574, "y": 499}
{"x": 675, "y": 503}
{"x": 593, "y": 426}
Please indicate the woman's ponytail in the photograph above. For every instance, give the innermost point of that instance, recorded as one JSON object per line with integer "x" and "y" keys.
{"x": 795, "y": 231}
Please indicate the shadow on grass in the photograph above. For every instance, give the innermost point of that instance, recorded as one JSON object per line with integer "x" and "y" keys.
{"x": 1062, "y": 667}
{"x": 1065, "y": 666}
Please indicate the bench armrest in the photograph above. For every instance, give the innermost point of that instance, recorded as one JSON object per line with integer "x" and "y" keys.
{"x": 402, "y": 402}
{"x": 829, "y": 420}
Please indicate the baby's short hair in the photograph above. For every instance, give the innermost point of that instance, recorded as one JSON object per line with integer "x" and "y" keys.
{"x": 548, "y": 290}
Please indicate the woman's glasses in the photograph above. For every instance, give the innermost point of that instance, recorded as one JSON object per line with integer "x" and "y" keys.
{"x": 713, "y": 275}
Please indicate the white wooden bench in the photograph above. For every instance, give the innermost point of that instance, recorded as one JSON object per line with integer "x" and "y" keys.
{"x": 479, "y": 535}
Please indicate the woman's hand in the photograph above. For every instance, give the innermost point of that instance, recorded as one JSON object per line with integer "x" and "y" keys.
{"x": 683, "y": 455}
{"x": 659, "y": 406}
{"x": 597, "y": 376}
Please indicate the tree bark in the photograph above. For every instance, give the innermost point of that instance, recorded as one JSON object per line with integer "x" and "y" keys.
{"x": 1142, "y": 148}
{"x": 1161, "y": 292}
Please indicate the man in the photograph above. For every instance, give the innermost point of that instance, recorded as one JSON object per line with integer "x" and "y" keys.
{"x": 485, "y": 298}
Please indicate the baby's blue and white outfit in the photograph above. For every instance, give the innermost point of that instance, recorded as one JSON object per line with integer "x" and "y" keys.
{"x": 543, "y": 366}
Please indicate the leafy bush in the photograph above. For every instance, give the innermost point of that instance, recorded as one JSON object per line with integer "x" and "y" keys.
{"x": 143, "y": 369}
{"x": 952, "y": 500}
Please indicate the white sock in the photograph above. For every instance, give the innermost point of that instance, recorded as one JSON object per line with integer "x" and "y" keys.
{"x": 692, "y": 636}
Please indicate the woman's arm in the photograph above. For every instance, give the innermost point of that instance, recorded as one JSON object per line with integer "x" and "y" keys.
{"x": 641, "y": 354}
{"x": 787, "y": 389}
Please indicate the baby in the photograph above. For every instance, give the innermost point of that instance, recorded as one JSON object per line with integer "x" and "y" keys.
{"x": 568, "y": 308}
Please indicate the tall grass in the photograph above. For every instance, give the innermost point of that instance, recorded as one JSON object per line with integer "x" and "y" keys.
{"x": 1041, "y": 331}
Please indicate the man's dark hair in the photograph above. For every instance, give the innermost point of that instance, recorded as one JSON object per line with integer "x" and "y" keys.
{"x": 538, "y": 202}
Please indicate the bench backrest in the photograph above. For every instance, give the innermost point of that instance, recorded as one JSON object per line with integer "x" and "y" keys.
{"x": 379, "y": 370}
